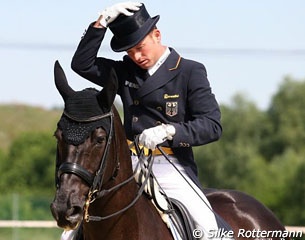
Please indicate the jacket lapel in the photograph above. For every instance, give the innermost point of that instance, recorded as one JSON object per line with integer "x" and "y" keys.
{"x": 167, "y": 71}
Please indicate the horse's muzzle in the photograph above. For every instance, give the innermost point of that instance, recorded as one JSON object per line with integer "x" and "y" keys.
{"x": 67, "y": 217}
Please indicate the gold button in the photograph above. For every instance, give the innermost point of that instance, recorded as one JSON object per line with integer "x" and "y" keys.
{"x": 135, "y": 119}
{"x": 136, "y": 102}
{"x": 159, "y": 108}
{"x": 183, "y": 144}
{"x": 158, "y": 123}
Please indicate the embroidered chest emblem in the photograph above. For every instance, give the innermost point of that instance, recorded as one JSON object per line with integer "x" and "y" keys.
{"x": 171, "y": 108}
{"x": 167, "y": 96}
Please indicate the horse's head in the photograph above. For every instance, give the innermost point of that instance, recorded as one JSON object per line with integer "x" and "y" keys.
{"x": 84, "y": 133}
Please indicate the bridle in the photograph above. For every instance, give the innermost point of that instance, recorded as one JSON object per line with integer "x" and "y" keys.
{"x": 92, "y": 180}
{"x": 95, "y": 181}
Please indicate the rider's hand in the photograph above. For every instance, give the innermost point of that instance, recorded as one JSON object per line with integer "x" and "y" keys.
{"x": 151, "y": 137}
{"x": 111, "y": 13}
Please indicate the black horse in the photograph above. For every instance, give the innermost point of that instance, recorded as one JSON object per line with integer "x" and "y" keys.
{"x": 94, "y": 176}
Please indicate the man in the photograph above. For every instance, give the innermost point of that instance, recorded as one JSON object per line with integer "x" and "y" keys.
{"x": 167, "y": 99}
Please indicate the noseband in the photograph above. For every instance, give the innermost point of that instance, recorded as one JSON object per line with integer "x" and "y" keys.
{"x": 78, "y": 170}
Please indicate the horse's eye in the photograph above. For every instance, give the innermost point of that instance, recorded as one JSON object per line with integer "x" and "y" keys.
{"x": 101, "y": 139}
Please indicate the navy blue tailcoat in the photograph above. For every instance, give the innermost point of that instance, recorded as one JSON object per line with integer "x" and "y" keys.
{"x": 178, "y": 93}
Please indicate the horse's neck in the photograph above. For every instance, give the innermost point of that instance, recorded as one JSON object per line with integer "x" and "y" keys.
{"x": 141, "y": 217}
{"x": 121, "y": 155}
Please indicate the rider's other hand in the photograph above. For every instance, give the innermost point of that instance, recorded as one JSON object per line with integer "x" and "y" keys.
{"x": 151, "y": 137}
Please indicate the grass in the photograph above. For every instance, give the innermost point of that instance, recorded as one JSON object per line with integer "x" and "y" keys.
{"x": 18, "y": 118}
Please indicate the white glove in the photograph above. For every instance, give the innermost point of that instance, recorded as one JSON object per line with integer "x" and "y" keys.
{"x": 151, "y": 137}
{"x": 111, "y": 13}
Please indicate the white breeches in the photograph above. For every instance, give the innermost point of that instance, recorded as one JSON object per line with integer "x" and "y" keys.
{"x": 175, "y": 186}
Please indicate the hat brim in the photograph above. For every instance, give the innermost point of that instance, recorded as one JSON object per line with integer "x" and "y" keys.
{"x": 131, "y": 40}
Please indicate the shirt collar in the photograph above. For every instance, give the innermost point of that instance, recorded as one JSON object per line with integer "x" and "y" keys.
{"x": 161, "y": 60}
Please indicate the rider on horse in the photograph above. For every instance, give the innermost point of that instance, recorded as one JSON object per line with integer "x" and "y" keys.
{"x": 167, "y": 99}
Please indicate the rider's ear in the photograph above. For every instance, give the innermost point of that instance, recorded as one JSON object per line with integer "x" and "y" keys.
{"x": 107, "y": 95}
{"x": 61, "y": 82}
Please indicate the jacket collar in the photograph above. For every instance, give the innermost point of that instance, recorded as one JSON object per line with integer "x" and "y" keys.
{"x": 166, "y": 72}
{"x": 161, "y": 60}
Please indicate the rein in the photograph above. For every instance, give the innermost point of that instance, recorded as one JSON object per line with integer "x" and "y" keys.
{"x": 104, "y": 192}
{"x": 88, "y": 218}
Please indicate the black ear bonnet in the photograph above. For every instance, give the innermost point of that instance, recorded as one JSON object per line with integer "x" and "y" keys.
{"x": 78, "y": 119}
{"x": 84, "y": 110}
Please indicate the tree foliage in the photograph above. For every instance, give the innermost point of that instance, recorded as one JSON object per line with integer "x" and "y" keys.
{"x": 287, "y": 115}
{"x": 29, "y": 165}
{"x": 261, "y": 152}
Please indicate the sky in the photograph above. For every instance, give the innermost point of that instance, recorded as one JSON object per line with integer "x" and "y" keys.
{"x": 248, "y": 47}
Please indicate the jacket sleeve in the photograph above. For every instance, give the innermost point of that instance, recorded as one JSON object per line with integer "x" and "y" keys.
{"x": 85, "y": 61}
{"x": 202, "y": 121}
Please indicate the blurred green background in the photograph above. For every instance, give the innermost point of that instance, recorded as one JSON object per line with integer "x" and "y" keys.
{"x": 261, "y": 153}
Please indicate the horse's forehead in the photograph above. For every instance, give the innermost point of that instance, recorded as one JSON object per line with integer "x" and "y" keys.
{"x": 76, "y": 133}
{"x": 80, "y": 107}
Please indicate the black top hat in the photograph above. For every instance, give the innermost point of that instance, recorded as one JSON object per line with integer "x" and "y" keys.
{"x": 128, "y": 31}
